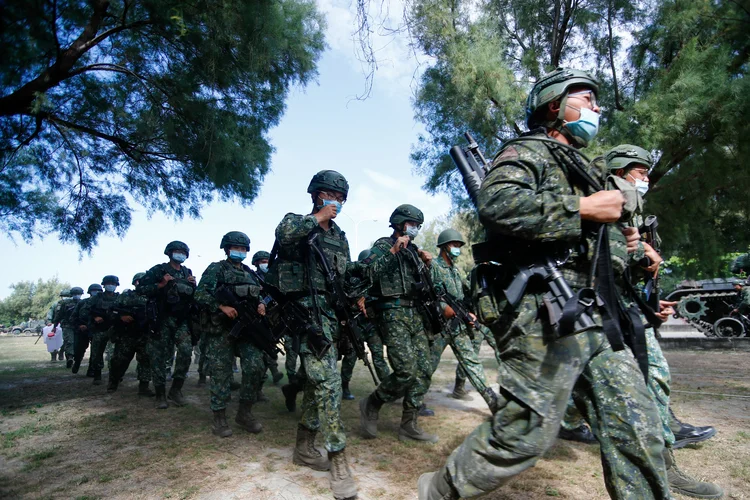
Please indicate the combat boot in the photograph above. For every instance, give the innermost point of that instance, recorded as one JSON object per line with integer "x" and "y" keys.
{"x": 685, "y": 434}
{"x": 342, "y": 482}
{"x": 410, "y": 430}
{"x": 276, "y": 374}
{"x": 221, "y": 427}
{"x": 459, "y": 392}
{"x": 112, "y": 383}
{"x": 61, "y": 356}
{"x": 76, "y": 365}
{"x": 425, "y": 412}
{"x": 245, "y": 418}
{"x": 201, "y": 380}
{"x": 305, "y": 452}
{"x": 262, "y": 398}
{"x": 234, "y": 386}
{"x": 345, "y": 392}
{"x": 54, "y": 356}
{"x": 97, "y": 377}
{"x": 175, "y": 392}
{"x": 368, "y": 415}
{"x": 69, "y": 364}
{"x": 90, "y": 371}
{"x": 582, "y": 434}
{"x": 143, "y": 389}
{"x": 161, "y": 397}
{"x": 290, "y": 395}
{"x": 680, "y": 482}
{"x": 435, "y": 486}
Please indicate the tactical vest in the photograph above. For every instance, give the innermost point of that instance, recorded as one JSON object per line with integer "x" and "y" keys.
{"x": 289, "y": 271}
{"x": 398, "y": 277}
{"x": 240, "y": 280}
{"x": 101, "y": 305}
{"x": 179, "y": 292}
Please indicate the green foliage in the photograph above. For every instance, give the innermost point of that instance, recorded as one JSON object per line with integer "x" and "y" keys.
{"x": 30, "y": 300}
{"x": 166, "y": 100}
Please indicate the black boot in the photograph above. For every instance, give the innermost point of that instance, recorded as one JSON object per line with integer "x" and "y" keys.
{"x": 276, "y": 374}
{"x": 143, "y": 389}
{"x": 161, "y": 397}
{"x": 76, "y": 365}
{"x": 60, "y": 355}
{"x": 425, "y": 412}
{"x": 581, "y": 434}
{"x": 69, "y": 364}
{"x": 685, "y": 434}
{"x": 290, "y": 395}
{"x": 112, "y": 383}
{"x": 345, "y": 393}
{"x": 201, "y": 380}
{"x": 54, "y": 356}
{"x": 175, "y": 392}
{"x": 221, "y": 427}
{"x": 90, "y": 371}
{"x": 97, "y": 377}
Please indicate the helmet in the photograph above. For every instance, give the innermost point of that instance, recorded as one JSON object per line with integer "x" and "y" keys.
{"x": 111, "y": 278}
{"x": 552, "y": 87}
{"x": 65, "y": 293}
{"x": 450, "y": 235}
{"x": 176, "y": 245}
{"x": 137, "y": 277}
{"x": 95, "y": 287}
{"x": 329, "y": 180}
{"x": 77, "y": 290}
{"x": 405, "y": 213}
{"x": 260, "y": 255}
{"x": 627, "y": 156}
{"x": 235, "y": 238}
{"x": 364, "y": 254}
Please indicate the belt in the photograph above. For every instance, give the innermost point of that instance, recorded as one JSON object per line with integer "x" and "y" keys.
{"x": 392, "y": 303}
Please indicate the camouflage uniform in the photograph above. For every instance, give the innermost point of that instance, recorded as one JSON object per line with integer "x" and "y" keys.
{"x": 375, "y": 346}
{"x": 173, "y": 328}
{"x": 100, "y": 306}
{"x": 62, "y": 316}
{"x": 456, "y": 334}
{"x": 130, "y": 339}
{"x": 527, "y": 195}
{"x": 220, "y": 348}
{"x": 744, "y": 305}
{"x": 80, "y": 318}
{"x": 290, "y": 363}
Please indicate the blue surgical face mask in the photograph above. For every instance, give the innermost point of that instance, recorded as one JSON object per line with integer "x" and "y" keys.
{"x": 110, "y": 288}
{"x": 455, "y": 252}
{"x": 179, "y": 257}
{"x": 585, "y": 127}
{"x": 640, "y": 185}
{"x": 411, "y": 231}
{"x": 263, "y": 268}
{"x": 237, "y": 255}
{"x": 338, "y": 204}
{"x": 94, "y": 293}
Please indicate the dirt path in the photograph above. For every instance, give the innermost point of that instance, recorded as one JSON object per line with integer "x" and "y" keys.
{"x": 64, "y": 438}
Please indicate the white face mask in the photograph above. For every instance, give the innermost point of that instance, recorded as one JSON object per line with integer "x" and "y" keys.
{"x": 411, "y": 231}
{"x": 179, "y": 257}
{"x": 640, "y": 185}
{"x": 263, "y": 267}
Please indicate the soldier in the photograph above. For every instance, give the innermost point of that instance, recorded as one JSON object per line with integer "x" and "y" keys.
{"x": 538, "y": 202}
{"x": 395, "y": 293}
{"x": 260, "y": 261}
{"x": 62, "y": 318}
{"x": 79, "y": 320}
{"x": 100, "y": 324}
{"x": 298, "y": 274}
{"x": 464, "y": 342}
{"x": 134, "y": 320}
{"x": 219, "y": 316}
{"x": 172, "y": 286}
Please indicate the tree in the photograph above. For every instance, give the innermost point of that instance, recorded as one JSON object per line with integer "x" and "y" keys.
{"x": 163, "y": 102}
{"x": 30, "y": 300}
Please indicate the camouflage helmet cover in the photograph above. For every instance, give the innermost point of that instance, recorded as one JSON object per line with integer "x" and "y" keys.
{"x": 448, "y": 236}
{"x": 176, "y": 245}
{"x": 95, "y": 287}
{"x": 329, "y": 180}
{"x": 552, "y": 87}
{"x": 111, "y": 278}
{"x": 235, "y": 238}
{"x": 137, "y": 277}
{"x": 405, "y": 213}
{"x": 65, "y": 292}
{"x": 76, "y": 290}
{"x": 260, "y": 255}
{"x": 627, "y": 156}
{"x": 364, "y": 254}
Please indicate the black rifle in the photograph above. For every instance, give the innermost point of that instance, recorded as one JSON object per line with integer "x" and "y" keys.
{"x": 566, "y": 310}
{"x": 463, "y": 314}
{"x": 651, "y": 289}
{"x": 427, "y": 293}
{"x": 249, "y": 322}
{"x": 341, "y": 305}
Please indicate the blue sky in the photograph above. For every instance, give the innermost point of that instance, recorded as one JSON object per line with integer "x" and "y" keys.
{"x": 323, "y": 128}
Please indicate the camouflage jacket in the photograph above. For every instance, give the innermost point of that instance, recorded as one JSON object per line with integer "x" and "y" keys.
{"x": 131, "y": 303}
{"x": 176, "y": 296}
{"x": 744, "y": 306}
{"x": 64, "y": 311}
{"x": 240, "y": 280}
{"x": 393, "y": 276}
{"x": 448, "y": 277}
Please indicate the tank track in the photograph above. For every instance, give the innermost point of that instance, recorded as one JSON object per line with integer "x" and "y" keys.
{"x": 704, "y": 326}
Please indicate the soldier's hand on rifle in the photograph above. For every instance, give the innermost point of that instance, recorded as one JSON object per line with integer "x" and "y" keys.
{"x": 425, "y": 256}
{"x": 230, "y": 312}
{"x": 602, "y": 206}
{"x": 326, "y": 213}
{"x": 448, "y": 312}
{"x": 653, "y": 257}
{"x": 262, "y": 309}
{"x": 473, "y": 318}
{"x": 127, "y": 319}
{"x": 401, "y": 242}
{"x": 666, "y": 309}
{"x": 98, "y": 320}
{"x": 165, "y": 280}
{"x": 632, "y": 238}
{"x": 191, "y": 279}
{"x": 361, "y": 306}
{"x": 83, "y": 328}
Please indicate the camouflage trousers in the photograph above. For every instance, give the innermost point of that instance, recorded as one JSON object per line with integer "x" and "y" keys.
{"x": 99, "y": 342}
{"x": 291, "y": 357}
{"x": 536, "y": 379}
{"x": 221, "y": 351}
{"x": 81, "y": 342}
{"x": 321, "y": 404}
{"x": 659, "y": 381}
{"x": 466, "y": 351}
{"x": 171, "y": 333}
{"x": 375, "y": 346}
{"x": 202, "y": 348}
{"x": 347, "y": 366}
{"x": 402, "y": 331}
{"x": 68, "y": 341}
{"x": 126, "y": 347}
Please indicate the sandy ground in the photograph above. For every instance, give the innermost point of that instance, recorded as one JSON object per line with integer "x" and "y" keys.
{"x": 62, "y": 437}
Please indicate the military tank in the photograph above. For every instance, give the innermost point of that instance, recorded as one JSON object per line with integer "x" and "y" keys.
{"x": 708, "y": 305}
